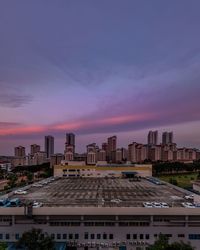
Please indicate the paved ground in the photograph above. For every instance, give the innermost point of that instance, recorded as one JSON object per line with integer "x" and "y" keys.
{"x": 102, "y": 192}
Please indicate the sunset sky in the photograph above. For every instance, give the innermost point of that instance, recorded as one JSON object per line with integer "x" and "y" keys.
{"x": 98, "y": 68}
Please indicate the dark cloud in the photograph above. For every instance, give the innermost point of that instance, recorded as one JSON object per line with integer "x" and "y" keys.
{"x": 14, "y": 100}
{"x": 8, "y": 124}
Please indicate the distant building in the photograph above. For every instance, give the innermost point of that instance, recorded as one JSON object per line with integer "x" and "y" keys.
{"x": 5, "y": 166}
{"x": 70, "y": 147}
{"x": 141, "y": 153}
{"x": 70, "y": 139}
{"x": 56, "y": 159}
{"x": 34, "y": 149}
{"x": 155, "y": 153}
{"x": 132, "y": 152}
{"x": 152, "y": 138}
{"x": 167, "y": 138}
{"x": 49, "y": 145}
{"x": 112, "y": 147}
{"x": 91, "y": 154}
{"x": 40, "y": 158}
{"x": 20, "y": 151}
{"x": 69, "y": 152}
{"x": 119, "y": 155}
{"x": 101, "y": 155}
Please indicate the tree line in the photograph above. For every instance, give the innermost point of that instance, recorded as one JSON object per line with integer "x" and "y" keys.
{"x": 161, "y": 168}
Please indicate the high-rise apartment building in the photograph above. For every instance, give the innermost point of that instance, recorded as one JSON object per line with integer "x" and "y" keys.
{"x": 101, "y": 155}
{"x": 91, "y": 154}
{"x": 152, "y": 138}
{"x": 132, "y": 152}
{"x": 167, "y": 138}
{"x": 34, "y": 149}
{"x": 20, "y": 151}
{"x": 49, "y": 145}
{"x": 70, "y": 146}
{"x": 70, "y": 139}
{"x": 69, "y": 152}
{"x": 112, "y": 147}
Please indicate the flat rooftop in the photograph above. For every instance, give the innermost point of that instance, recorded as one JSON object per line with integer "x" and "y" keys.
{"x": 103, "y": 192}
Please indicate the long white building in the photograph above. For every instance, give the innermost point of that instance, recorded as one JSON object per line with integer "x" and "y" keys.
{"x": 104, "y": 213}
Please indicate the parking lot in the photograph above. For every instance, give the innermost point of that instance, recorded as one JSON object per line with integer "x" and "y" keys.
{"x": 101, "y": 192}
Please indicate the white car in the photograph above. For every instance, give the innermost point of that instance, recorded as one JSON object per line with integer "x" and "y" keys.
{"x": 37, "y": 204}
{"x": 189, "y": 197}
{"x": 164, "y": 205}
{"x": 157, "y": 204}
{"x": 147, "y": 204}
{"x": 188, "y": 205}
{"x": 20, "y": 191}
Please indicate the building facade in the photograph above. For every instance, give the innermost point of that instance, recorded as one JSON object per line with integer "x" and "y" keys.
{"x": 49, "y": 145}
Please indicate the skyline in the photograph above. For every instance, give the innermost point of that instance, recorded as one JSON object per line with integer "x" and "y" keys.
{"x": 97, "y": 69}
{"x": 83, "y": 148}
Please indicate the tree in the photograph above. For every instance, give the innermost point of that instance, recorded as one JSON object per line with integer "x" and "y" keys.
{"x": 180, "y": 246}
{"x": 160, "y": 244}
{"x": 35, "y": 240}
{"x": 29, "y": 176}
{"x": 3, "y": 246}
{"x": 163, "y": 244}
{"x": 12, "y": 180}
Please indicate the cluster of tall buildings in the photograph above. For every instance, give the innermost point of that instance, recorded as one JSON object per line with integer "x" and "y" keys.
{"x": 166, "y": 150}
{"x": 152, "y": 139}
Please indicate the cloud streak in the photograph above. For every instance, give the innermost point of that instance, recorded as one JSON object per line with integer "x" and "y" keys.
{"x": 14, "y": 100}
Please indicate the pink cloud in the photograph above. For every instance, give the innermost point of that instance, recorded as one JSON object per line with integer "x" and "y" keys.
{"x": 78, "y": 125}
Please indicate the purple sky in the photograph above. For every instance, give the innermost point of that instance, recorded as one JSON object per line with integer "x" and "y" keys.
{"x": 98, "y": 68}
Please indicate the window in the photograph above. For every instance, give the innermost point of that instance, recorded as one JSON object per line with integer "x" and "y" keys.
{"x": 128, "y": 236}
{"x": 147, "y": 236}
{"x": 98, "y": 236}
{"x": 135, "y": 236}
{"x": 141, "y": 236}
{"x": 92, "y": 236}
{"x": 194, "y": 236}
{"x": 89, "y": 224}
{"x": 110, "y": 236}
{"x": 53, "y": 236}
{"x": 168, "y": 235}
{"x": 123, "y": 224}
{"x": 64, "y": 236}
{"x": 104, "y": 236}
{"x": 110, "y": 224}
{"x": 58, "y": 236}
{"x": 100, "y": 224}
{"x": 181, "y": 235}
{"x": 86, "y": 236}
{"x": 17, "y": 236}
{"x": 1, "y": 236}
{"x": 76, "y": 236}
{"x": 70, "y": 236}
{"x": 7, "y": 236}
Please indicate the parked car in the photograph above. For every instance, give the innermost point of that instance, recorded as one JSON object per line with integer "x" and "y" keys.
{"x": 4, "y": 203}
{"x": 157, "y": 204}
{"x": 164, "y": 205}
{"x": 147, "y": 204}
{"x": 189, "y": 197}
{"x": 188, "y": 205}
{"x": 37, "y": 204}
{"x": 20, "y": 191}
